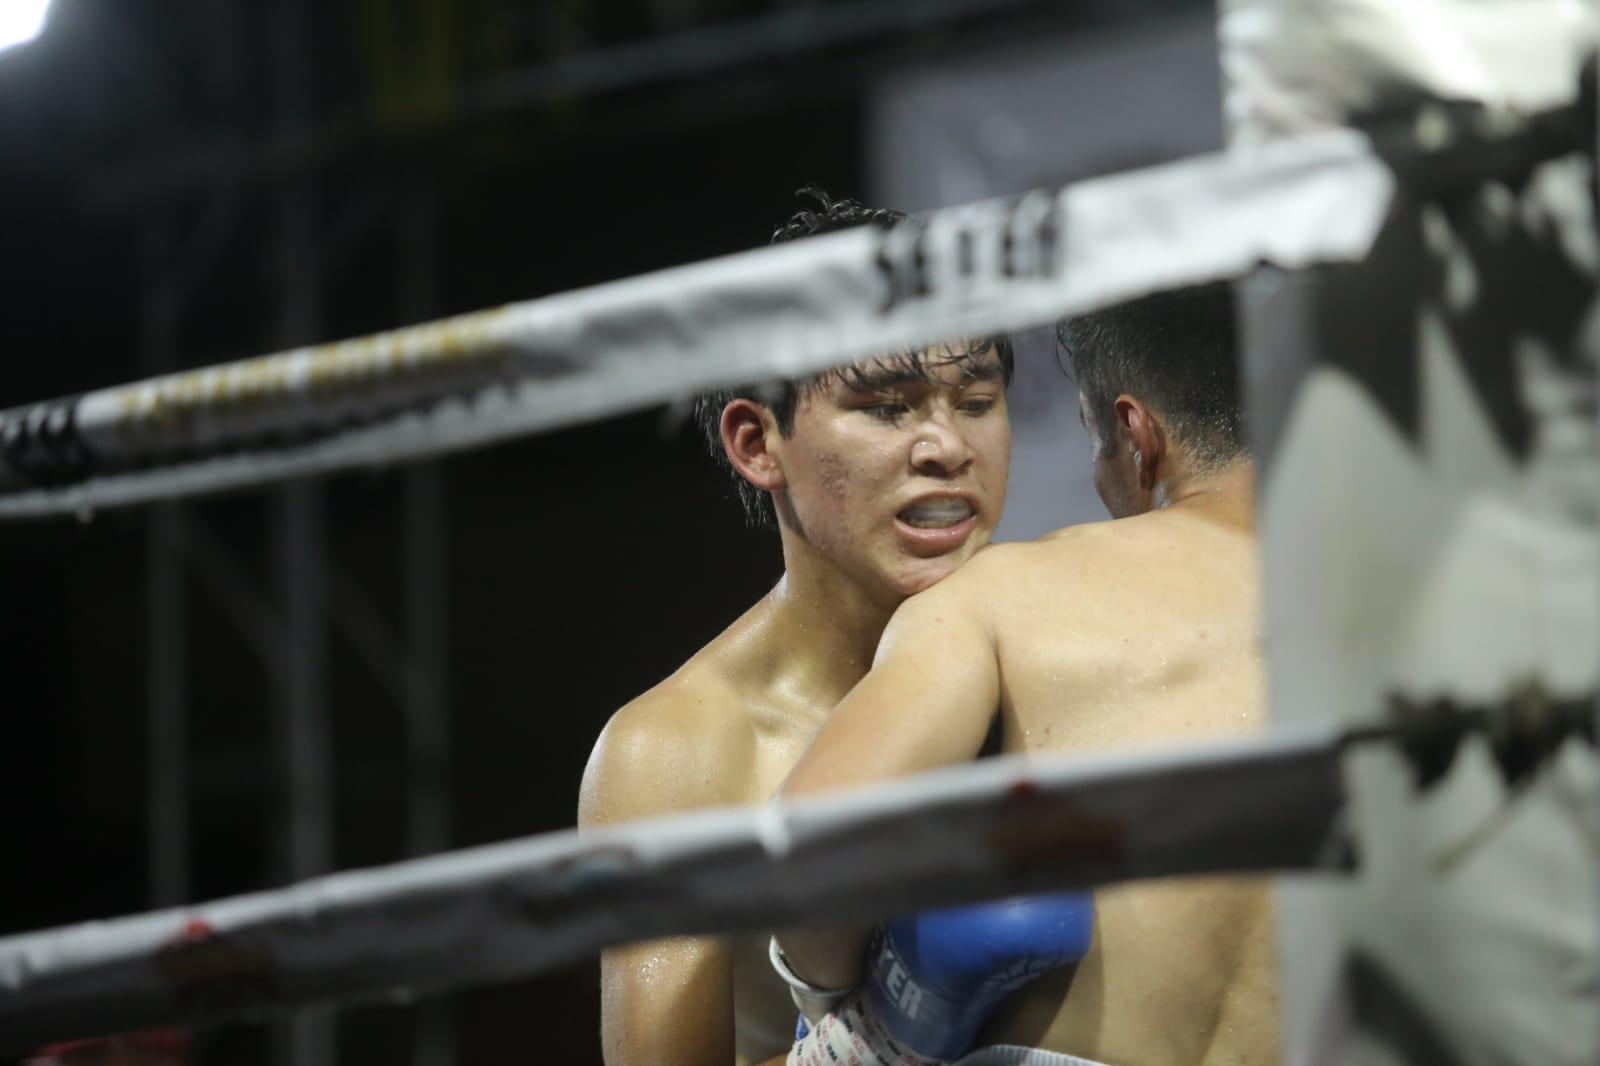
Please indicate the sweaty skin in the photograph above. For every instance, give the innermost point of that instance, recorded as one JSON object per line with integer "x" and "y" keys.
{"x": 1110, "y": 635}
{"x": 723, "y": 730}
{"x": 727, "y": 726}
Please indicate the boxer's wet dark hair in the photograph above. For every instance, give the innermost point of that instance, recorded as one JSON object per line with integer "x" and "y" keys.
{"x": 1176, "y": 351}
{"x": 782, "y": 398}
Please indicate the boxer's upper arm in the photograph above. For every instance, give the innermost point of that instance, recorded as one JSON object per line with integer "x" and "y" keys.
{"x": 662, "y": 1002}
{"x": 927, "y": 701}
{"x": 667, "y": 1002}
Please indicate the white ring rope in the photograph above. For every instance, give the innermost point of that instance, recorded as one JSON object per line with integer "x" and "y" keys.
{"x": 994, "y": 828}
{"x": 771, "y": 313}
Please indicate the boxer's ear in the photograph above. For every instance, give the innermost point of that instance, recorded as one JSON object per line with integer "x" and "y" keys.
{"x": 747, "y": 430}
{"x": 1145, "y": 435}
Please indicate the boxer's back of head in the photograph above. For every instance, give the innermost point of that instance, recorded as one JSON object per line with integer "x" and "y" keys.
{"x": 1177, "y": 352}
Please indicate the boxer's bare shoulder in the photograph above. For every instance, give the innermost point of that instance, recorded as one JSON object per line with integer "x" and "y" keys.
{"x": 666, "y": 751}
{"x": 1114, "y": 633}
{"x": 679, "y": 746}
{"x": 1062, "y": 559}
{"x": 722, "y": 730}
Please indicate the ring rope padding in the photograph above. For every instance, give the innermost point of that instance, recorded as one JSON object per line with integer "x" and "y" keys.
{"x": 1000, "y": 827}
{"x": 776, "y": 312}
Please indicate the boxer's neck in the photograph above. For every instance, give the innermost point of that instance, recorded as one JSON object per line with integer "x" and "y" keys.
{"x": 826, "y": 625}
{"x": 1227, "y": 493}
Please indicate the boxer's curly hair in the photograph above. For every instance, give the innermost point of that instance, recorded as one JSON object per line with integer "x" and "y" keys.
{"x": 1176, "y": 351}
{"x": 834, "y": 216}
{"x": 783, "y": 397}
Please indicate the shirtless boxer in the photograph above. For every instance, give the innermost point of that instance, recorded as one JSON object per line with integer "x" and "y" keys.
{"x": 881, "y": 480}
{"x": 1138, "y": 631}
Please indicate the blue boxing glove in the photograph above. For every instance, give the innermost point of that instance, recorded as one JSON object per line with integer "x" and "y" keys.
{"x": 935, "y": 977}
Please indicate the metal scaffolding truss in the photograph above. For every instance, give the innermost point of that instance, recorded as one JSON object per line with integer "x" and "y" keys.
{"x": 287, "y": 617}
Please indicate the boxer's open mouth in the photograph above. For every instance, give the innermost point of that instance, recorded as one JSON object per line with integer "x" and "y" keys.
{"x": 937, "y": 512}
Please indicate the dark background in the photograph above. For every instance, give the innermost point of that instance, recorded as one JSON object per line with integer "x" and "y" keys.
{"x": 184, "y": 183}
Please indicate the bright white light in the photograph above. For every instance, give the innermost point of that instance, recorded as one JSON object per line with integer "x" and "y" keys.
{"x": 21, "y": 21}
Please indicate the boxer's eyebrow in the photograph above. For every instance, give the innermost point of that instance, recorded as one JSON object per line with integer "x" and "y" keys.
{"x": 870, "y": 380}
{"x": 983, "y": 370}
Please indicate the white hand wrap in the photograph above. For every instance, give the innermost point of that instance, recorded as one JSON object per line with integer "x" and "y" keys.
{"x": 851, "y": 1035}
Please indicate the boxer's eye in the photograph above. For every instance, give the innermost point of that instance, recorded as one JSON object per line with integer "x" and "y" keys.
{"x": 885, "y": 412}
{"x": 977, "y": 405}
